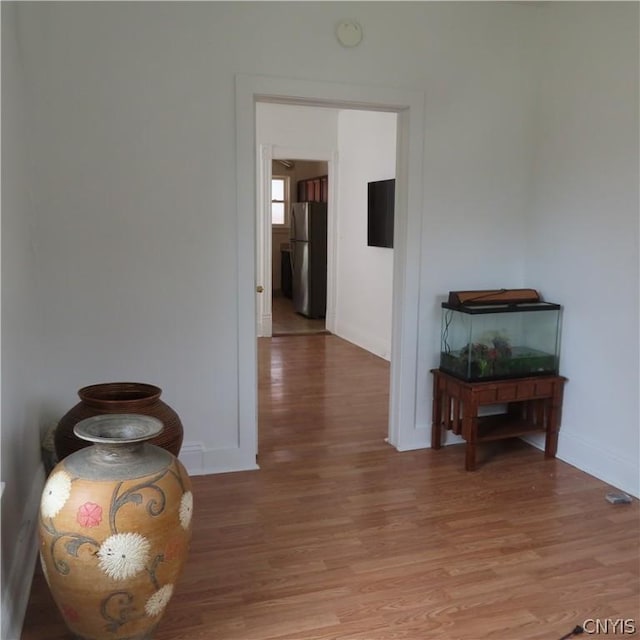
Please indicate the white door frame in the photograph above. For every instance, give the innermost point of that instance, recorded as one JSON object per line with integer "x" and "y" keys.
{"x": 409, "y": 105}
{"x": 264, "y": 300}
{"x": 264, "y": 249}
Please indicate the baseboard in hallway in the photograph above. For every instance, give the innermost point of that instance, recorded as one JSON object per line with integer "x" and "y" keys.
{"x": 16, "y": 588}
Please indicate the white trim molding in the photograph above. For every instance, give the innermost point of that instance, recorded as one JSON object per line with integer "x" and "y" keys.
{"x": 409, "y": 105}
{"x": 16, "y": 589}
{"x": 199, "y": 461}
{"x": 264, "y": 241}
{"x": 590, "y": 457}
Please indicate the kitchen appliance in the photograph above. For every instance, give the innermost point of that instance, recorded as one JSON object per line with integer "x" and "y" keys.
{"x": 309, "y": 258}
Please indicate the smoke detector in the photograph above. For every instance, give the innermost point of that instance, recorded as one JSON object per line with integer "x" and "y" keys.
{"x": 349, "y": 33}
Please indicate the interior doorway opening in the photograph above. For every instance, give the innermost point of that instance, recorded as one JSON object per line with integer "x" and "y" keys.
{"x": 294, "y": 181}
{"x": 327, "y": 228}
{"x": 409, "y": 106}
{"x": 338, "y": 154}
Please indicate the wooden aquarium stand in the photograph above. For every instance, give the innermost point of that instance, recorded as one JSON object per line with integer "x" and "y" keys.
{"x": 533, "y": 405}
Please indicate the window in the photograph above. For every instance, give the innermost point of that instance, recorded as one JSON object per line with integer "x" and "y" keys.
{"x": 279, "y": 201}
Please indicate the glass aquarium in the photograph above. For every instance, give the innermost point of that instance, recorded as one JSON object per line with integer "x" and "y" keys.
{"x": 500, "y": 340}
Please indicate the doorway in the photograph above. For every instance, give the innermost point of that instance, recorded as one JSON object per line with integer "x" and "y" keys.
{"x": 310, "y": 158}
{"x": 409, "y": 106}
{"x": 357, "y": 271}
{"x": 293, "y": 181}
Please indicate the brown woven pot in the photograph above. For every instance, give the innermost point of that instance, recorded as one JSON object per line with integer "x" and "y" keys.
{"x": 119, "y": 397}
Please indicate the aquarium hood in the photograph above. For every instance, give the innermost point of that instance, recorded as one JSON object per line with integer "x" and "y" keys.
{"x": 493, "y": 296}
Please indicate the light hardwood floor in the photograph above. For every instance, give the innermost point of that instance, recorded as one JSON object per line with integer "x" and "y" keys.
{"x": 339, "y": 536}
{"x": 285, "y": 321}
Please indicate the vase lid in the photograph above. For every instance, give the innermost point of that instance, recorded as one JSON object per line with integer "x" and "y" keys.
{"x": 118, "y": 428}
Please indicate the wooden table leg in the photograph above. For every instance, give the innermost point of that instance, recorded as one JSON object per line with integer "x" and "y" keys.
{"x": 436, "y": 416}
{"x": 470, "y": 453}
{"x": 554, "y": 410}
{"x": 456, "y": 424}
{"x": 470, "y": 431}
{"x": 551, "y": 437}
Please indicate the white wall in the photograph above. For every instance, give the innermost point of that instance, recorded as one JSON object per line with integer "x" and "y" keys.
{"x": 22, "y": 363}
{"x": 367, "y": 152}
{"x": 582, "y": 228}
{"x": 309, "y": 130}
{"x": 478, "y": 150}
{"x": 135, "y": 167}
{"x": 133, "y": 113}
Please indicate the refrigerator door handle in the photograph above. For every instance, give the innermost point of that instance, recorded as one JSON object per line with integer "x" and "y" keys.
{"x": 292, "y": 236}
{"x": 292, "y": 225}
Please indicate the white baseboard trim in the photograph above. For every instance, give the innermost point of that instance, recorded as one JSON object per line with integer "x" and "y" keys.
{"x": 370, "y": 343}
{"x": 573, "y": 448}
{"x": 199, "y": 461}
{"x": 418, "y": 438}
{"x": 265, "y": 325}
{"x": 592, "y": 458}
{"x": 15, "y": 595}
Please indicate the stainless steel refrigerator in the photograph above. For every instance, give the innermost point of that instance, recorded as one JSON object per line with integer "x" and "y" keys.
{"x": 309, "y": 258}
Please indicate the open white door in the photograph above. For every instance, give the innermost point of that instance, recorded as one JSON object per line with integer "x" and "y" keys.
{"x": 264, "y": 320}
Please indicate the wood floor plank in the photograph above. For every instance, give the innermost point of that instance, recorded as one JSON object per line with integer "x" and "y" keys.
{"x": 340, "y": 537}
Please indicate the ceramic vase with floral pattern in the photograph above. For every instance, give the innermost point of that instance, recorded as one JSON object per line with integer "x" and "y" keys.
{"x": 115, "y": 527}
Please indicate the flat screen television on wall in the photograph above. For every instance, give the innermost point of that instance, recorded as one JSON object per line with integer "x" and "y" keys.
{"x": 380, "y": 201}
